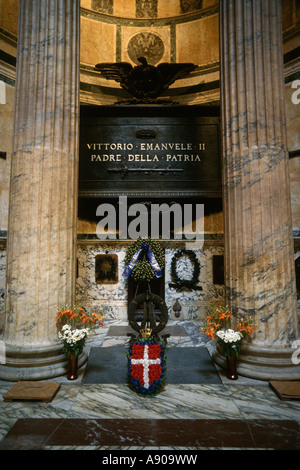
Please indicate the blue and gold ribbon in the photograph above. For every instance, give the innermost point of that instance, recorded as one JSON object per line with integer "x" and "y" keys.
{"x": 153, "y": 261}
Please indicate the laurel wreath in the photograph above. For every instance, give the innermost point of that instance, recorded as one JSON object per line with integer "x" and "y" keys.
{"x": 143, "y": 271}
{"x": 185, "y": 283}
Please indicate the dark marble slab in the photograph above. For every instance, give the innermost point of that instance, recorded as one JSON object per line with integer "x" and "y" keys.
{"x": 202, "y": 433}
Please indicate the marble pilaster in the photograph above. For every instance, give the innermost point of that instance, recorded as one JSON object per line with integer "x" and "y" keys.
{"x": 43, "y": 189}
{"x": 259, "y": 261}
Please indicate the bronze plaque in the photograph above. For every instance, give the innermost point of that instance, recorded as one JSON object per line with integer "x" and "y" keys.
{"x": 154, "y": 151}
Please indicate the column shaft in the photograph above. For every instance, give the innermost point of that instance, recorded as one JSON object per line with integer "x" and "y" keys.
{"x": 41, "y": 250}
{"x": 259, "y": 255}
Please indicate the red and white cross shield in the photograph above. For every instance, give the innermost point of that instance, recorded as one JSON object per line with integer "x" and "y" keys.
{"x": 146, "y": 366}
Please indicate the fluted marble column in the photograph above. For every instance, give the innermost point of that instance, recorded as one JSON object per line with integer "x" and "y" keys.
{"x": 43, "y": 189}
{"x": 259, "y": 257}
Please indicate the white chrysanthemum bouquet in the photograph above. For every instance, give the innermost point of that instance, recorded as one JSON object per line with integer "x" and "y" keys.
{"x": 74, "y": 340}
{"x": 231, "y": 341}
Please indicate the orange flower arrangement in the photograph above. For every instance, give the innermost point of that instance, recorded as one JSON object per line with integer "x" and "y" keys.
{"x": 245, "y": 326}
{"x": 77, "y": 317}
{"x": 74, "y": 325}
{"x": 220, "y": 319}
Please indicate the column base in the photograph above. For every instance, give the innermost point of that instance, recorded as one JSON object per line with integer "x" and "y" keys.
{"x": 35, "y": 363}
{"x": 263, "y": 363}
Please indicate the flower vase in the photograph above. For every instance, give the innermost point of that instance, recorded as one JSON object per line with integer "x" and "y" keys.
{"x": 72, "y": 367}
{"x": 231, "y": 368}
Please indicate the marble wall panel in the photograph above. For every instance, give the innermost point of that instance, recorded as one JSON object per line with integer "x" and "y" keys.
{"x": 201, "y": 40}
{"x": 125, "y": 8}
{"x": 113, "y": 299}
{"x": 85, "y": 3}
{"x": 168, "y": 8}
{"x": 209, "y": 3}
{"x": 194, "y": 303}
{"x": 98, "y": 42}
{"x": 9, "y": 17}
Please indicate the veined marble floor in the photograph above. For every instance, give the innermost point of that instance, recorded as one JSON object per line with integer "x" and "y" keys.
{"x": 230, "y": 402}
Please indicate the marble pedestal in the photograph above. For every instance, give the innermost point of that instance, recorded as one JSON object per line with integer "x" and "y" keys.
{"x": 36, "y": 363}
{"x": 263, "y": 363}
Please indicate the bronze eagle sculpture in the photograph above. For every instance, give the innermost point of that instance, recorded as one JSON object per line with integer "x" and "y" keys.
{"x": 144, "y": 81}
